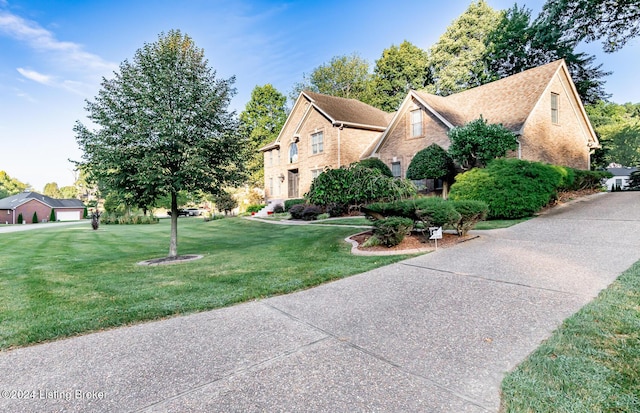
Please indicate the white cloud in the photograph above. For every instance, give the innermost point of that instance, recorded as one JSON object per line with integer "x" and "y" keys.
{"x": 35, "y": 76}
{"x": 44, "y": 41}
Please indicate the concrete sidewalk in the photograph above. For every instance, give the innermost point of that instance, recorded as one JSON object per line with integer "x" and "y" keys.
{"x": 435, "y": 333}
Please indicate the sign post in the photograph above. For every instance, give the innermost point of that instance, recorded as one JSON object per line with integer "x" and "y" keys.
{"x": 435, "y": 234}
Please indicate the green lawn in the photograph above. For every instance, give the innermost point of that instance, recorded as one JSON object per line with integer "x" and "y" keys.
{"x": 64, "y": 281}
{"x": 590, "y": 364}
{"x": 499, "y": 223}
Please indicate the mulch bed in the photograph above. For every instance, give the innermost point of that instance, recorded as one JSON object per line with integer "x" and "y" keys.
{"x": 413, "y": 242}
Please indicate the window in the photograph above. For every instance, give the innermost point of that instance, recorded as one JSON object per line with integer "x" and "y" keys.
{"x": 317, "y": 143}
{"x": 416, "y": 123}
{"x": 554, "y": 108}
{"x": 315, "y": 173}
{"x": 271, "y": 186}
{"x": 293, "y": 153}
{"x": 396, "y": 170}
{"x": 270, "y": 158}
{"x": 277, "y": 156}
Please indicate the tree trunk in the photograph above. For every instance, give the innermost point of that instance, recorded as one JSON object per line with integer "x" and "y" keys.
{"x": 173, "y": 244}
{"x": 445, "y": 189}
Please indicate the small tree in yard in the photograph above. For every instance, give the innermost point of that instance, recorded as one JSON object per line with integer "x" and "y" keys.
{"x": 52, "y": 215}
{"x": 433, "y": 162}
{"x": 34, "y": 218}
{"x": 225, "y": 202}
{"x": 634, "y": 181}
{"x": 477, "y": 143}
{"x": 164, "y": 127}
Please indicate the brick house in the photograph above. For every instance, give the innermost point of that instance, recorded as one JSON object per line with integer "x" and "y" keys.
{"x": 26, "y": 203}
{"x": 540, "y": 105}
{"x": 321, "y": 132}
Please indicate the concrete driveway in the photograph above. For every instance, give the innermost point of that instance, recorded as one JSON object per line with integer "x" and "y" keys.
{"x": 434, "y": 333}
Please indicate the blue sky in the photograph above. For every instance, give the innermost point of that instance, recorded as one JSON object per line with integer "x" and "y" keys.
{"x": 53, "y": 55}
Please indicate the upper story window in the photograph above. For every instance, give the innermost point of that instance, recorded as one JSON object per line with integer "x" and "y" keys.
{"x": 554, "y": 108}
{"x": 271, "y": 158}
{"x": 293, "y": 153}
{"x": 317, "y": 143}
{"x": 277, "y": 156}
{"x": 315, "y": 173}
{"x": 396, "y": 169}
{"x": 416, "y": 123}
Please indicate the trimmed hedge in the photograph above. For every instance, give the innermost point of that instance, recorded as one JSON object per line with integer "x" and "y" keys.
{"x": 255, "y": 207}
{"x": 291, "y": 202}
{"x": 512, "y": 188}
{"x": 113, "y": 219}
{"x": 471, "y": 212}
{"x": 432, "y": 211}
{"x": 391, "y": 231}
{"x": 296, "y": 211}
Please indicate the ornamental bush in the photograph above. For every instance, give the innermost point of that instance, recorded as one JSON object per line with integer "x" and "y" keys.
{"x": 20, "y": 218}
{"x": 255, "y": 207}
{"x": 391, "y": 231}
{"x": 291, "y": 202}
{"x": 376, "y": 163}
{"x": 311, "y": 212}
{"x": 52, "y": 215}
{"x": 278, "y": 209}
{"x": 296, "y": 211}
{"x": 471, "y": 212}
{"x": 34, "y": 218}
{"x": 512, "y": 188}
{"x": 356, "y": 185}
{"x": 590, "y": 179}
{"x": 432, "y": 211}
{"x": 437, "y": 212}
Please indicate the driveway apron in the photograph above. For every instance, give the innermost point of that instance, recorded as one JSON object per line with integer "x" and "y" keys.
{"x": 435, "y": 333}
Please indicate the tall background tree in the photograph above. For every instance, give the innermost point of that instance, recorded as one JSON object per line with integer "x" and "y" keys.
{"x": 618, "y": 129}
{"x": 10, "y": 186}
{"x": 613, "y": 22}
{"x": 517, "y": 43}
{"x": 51, "y": 189}
{"x": 399, "y": 69}
{"x": 456, "y": 59}
{"x": 345, "y": 76}
{"x": 260, "y": 123}
{"x": 164, "y": 127}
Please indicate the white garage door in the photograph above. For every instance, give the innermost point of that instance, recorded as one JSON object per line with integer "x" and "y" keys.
{"x": 68, "y": 215}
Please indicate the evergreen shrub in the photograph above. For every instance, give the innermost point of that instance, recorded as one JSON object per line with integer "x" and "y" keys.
{"x": 512, "y": 188}
{"x": 34, "y": 218}
{"x": 391, "y": 231}
{"x": 291, "y": 202}
{"x": 52, "y": 215}
{"x": 471, "y": 212}
{"x": 311, "y": 212}
{"x": 297, "y": 211}
{"x": 254, "y": 208}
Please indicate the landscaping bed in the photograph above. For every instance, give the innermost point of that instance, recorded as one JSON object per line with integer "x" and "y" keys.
{"x": 412, "y": 242}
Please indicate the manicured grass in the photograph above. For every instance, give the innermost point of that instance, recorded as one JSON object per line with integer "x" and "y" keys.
{"x": 591, "y": 363}
{"x": 345, "y": 221}
{"x": 64, "y": 281}
{"x": 499, "y": 223}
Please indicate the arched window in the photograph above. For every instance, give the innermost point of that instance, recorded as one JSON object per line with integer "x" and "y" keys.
{"x": 293, "y": 153}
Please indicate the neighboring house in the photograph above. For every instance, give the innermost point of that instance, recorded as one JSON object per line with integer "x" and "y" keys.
{"x": 540, "y": 105}
{"x": 26, "y": 203}
{"x": 620, "y": 177}
{"x": 321, "y": 132}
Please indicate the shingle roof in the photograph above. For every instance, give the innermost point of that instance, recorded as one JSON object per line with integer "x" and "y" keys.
{"x": 15, "y": 201}
{"x": 349, "y": 111}
{"x": 622, "y": 171}
{"x": 508, "y": 101}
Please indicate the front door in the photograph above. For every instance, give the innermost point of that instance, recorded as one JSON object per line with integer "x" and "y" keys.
{"x": 293, "y": 179}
